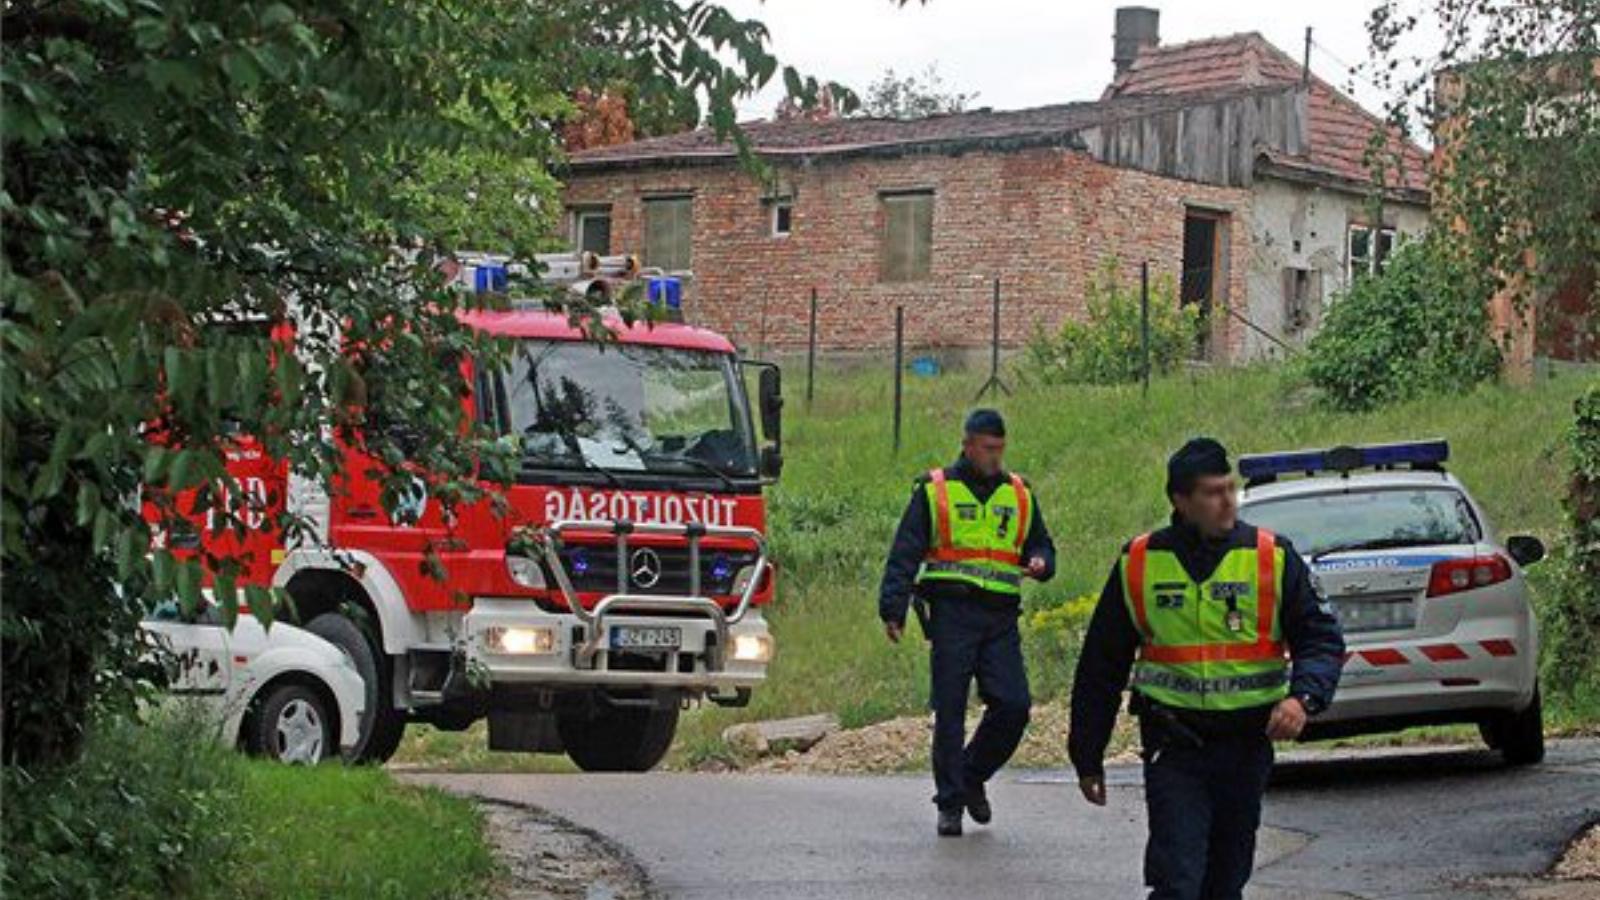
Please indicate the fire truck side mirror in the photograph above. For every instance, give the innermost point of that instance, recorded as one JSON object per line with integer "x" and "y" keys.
{"x": 771, "y": 399}
{"x": 771, "y": 461}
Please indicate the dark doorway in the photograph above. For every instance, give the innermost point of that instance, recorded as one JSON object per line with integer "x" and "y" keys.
{"x": 1202, "y": 267}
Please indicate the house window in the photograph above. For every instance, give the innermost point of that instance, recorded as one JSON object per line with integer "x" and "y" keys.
{"x": 782, "y": 218}
{"x": 668, "y": 226}
{"x": 1368, "y": 249}
{"x": 907, "y": 236}
{"x": 591, "y": 230}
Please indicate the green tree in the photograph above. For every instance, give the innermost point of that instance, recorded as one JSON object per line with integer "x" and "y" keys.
{"x": 1420, "y": 326}
{"x": 180, "y": 175}
{"x": 1108, "y": 346}
{"x": 894, "y": 96}
{"x": 1513, "y": 97}
{"x": 1571, "y": 612}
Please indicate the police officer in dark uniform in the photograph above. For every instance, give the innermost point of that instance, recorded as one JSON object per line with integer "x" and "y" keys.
{"x": 970, "y": 534}
{"x": 1211, "y": 606}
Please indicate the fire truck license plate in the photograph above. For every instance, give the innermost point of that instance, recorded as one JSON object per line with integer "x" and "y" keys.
{"x": 646, "y": 637}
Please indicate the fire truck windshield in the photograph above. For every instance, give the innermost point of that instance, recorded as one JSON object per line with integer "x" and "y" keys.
{"x": 624, "y": 408}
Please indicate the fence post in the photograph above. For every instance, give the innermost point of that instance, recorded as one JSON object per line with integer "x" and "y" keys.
{"x": 811, "y": 352}
{"x": 994, "y": 382}
{"x": 899, "y": 368}
{"x": 1144, "y": 324}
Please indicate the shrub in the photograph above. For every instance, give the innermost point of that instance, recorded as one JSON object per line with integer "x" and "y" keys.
{"x": 1422, "y": 326}
{"x": 144, "y": 812}
{"x": 1570, "y": 615}
{"x": 1107, "y": 348}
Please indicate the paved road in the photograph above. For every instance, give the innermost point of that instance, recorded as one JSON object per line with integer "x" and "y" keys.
{"x": 1428, "y": 823}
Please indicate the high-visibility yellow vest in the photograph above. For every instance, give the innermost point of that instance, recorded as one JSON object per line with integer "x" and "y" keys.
{"x": 1217, "y": 645}
{"x": 977, "y": 543}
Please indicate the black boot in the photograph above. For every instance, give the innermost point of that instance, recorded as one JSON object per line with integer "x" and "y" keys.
{"x": 950, "y": 822}
{"x": 978, "y": 805}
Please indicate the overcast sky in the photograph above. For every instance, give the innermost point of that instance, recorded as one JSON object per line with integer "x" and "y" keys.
{"x": 1019, "y": 53}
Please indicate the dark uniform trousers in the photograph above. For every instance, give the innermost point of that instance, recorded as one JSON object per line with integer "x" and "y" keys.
{"x": 1204, "y": 805}
{"x": 972, "y": 637}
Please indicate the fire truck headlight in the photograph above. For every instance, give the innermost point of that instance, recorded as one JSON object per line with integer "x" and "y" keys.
{"x": 752, "y": 648}
{"x": 520, "y": 641}
{"x": 525, "y": 571}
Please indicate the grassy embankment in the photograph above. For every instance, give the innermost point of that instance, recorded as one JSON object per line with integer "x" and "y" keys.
{"x": 1095, "y": 456}
{"x": 163, "y": 811}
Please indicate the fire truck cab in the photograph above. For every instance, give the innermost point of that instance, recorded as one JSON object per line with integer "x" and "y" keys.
{"x": 625, "y": 576}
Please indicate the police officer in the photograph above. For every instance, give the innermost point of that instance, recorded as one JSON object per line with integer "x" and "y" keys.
{"x": 967, "y": 538}
{"x": 1210, "y": 604}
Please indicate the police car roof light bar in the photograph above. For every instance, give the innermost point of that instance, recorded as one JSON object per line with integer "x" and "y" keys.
{"x": 1261, "y": 468}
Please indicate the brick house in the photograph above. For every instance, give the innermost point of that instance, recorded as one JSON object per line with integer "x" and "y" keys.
{"x": 1562, "y": 325}
{"x": 1218, "y": 161}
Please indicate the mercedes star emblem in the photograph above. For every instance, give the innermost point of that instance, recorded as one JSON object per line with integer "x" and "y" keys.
{"x": 646, "y": 568}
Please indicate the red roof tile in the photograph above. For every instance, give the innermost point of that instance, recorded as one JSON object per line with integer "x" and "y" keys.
{"x": 1338, "y": 129}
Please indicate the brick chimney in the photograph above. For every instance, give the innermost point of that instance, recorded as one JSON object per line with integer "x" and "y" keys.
{"x": 1137, "y": 27}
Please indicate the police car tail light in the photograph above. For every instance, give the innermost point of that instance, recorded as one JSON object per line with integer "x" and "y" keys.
{"x": 1455, "y": 575}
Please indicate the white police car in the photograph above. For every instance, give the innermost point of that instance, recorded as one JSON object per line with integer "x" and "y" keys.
{"x": 1437, "y": 618}
{"x": 282, "y": 693}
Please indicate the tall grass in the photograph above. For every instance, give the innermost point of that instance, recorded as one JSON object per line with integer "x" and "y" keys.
{"x": 1095, "y": 457}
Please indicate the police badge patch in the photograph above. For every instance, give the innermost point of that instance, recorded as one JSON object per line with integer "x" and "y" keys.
{"x": 967, "y": 512}
{"x": 1230, "y": 590}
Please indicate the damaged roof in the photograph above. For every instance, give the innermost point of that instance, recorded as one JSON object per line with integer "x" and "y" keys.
{"x": 1339, "y": 130}
{"x": 1057, "y": 124}
{"x": 1331, "y": 151}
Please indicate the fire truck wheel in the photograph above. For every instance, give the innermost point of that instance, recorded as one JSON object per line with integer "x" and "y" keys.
{"x": 619, "y": 739}
{"x": 382, "y": 726}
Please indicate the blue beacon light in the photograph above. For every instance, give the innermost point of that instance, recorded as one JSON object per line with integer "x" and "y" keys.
{"x": 1413, "y": 453}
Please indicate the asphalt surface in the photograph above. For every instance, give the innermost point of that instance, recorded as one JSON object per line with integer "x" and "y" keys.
{"x": 1450, "y": 822}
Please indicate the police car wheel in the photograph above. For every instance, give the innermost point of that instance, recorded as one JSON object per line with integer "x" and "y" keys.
{"x": 1519, "y": 736}
{"x": 291, "y": 724}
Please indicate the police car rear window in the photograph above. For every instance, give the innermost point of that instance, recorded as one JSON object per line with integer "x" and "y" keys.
{"x": 1387, "y": 517}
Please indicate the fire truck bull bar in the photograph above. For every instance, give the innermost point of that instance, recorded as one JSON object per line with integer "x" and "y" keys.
{"x": 549, "y": 539}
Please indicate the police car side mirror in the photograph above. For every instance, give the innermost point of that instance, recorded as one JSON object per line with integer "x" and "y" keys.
{"x": 1525, "y": 549}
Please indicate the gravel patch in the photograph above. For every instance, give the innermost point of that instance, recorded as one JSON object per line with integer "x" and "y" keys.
{"x": 1581, "y": 861}
{"x": 546, "y": 857}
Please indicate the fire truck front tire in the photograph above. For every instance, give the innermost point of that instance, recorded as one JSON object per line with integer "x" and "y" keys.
{"x": 619, "y": 738}
{"x": 382, "y": 726}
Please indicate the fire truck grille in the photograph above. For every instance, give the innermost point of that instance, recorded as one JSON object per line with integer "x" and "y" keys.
{"x": 653, "y": 570}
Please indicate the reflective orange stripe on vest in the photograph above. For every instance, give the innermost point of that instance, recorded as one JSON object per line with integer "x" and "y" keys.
{"x": 1136, "y": 559}
{"x": 941, "y": 508}
{"x": 1021, "y": 491}
{"x": 1263, "y": 648}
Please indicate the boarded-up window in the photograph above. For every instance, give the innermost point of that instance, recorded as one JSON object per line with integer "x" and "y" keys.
{"x": 668, "y": 226}
{"x": 592, "y": 230}
{"x": 1302, "y": 297}
{"x": 907, "y": 236}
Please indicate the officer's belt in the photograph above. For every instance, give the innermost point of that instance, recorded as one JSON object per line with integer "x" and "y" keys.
{"x": 1229, "y": 685}
{"x": 955, "y": 568}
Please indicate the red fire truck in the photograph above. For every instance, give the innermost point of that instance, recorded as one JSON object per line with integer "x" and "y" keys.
{"x": 627, "y": 579}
